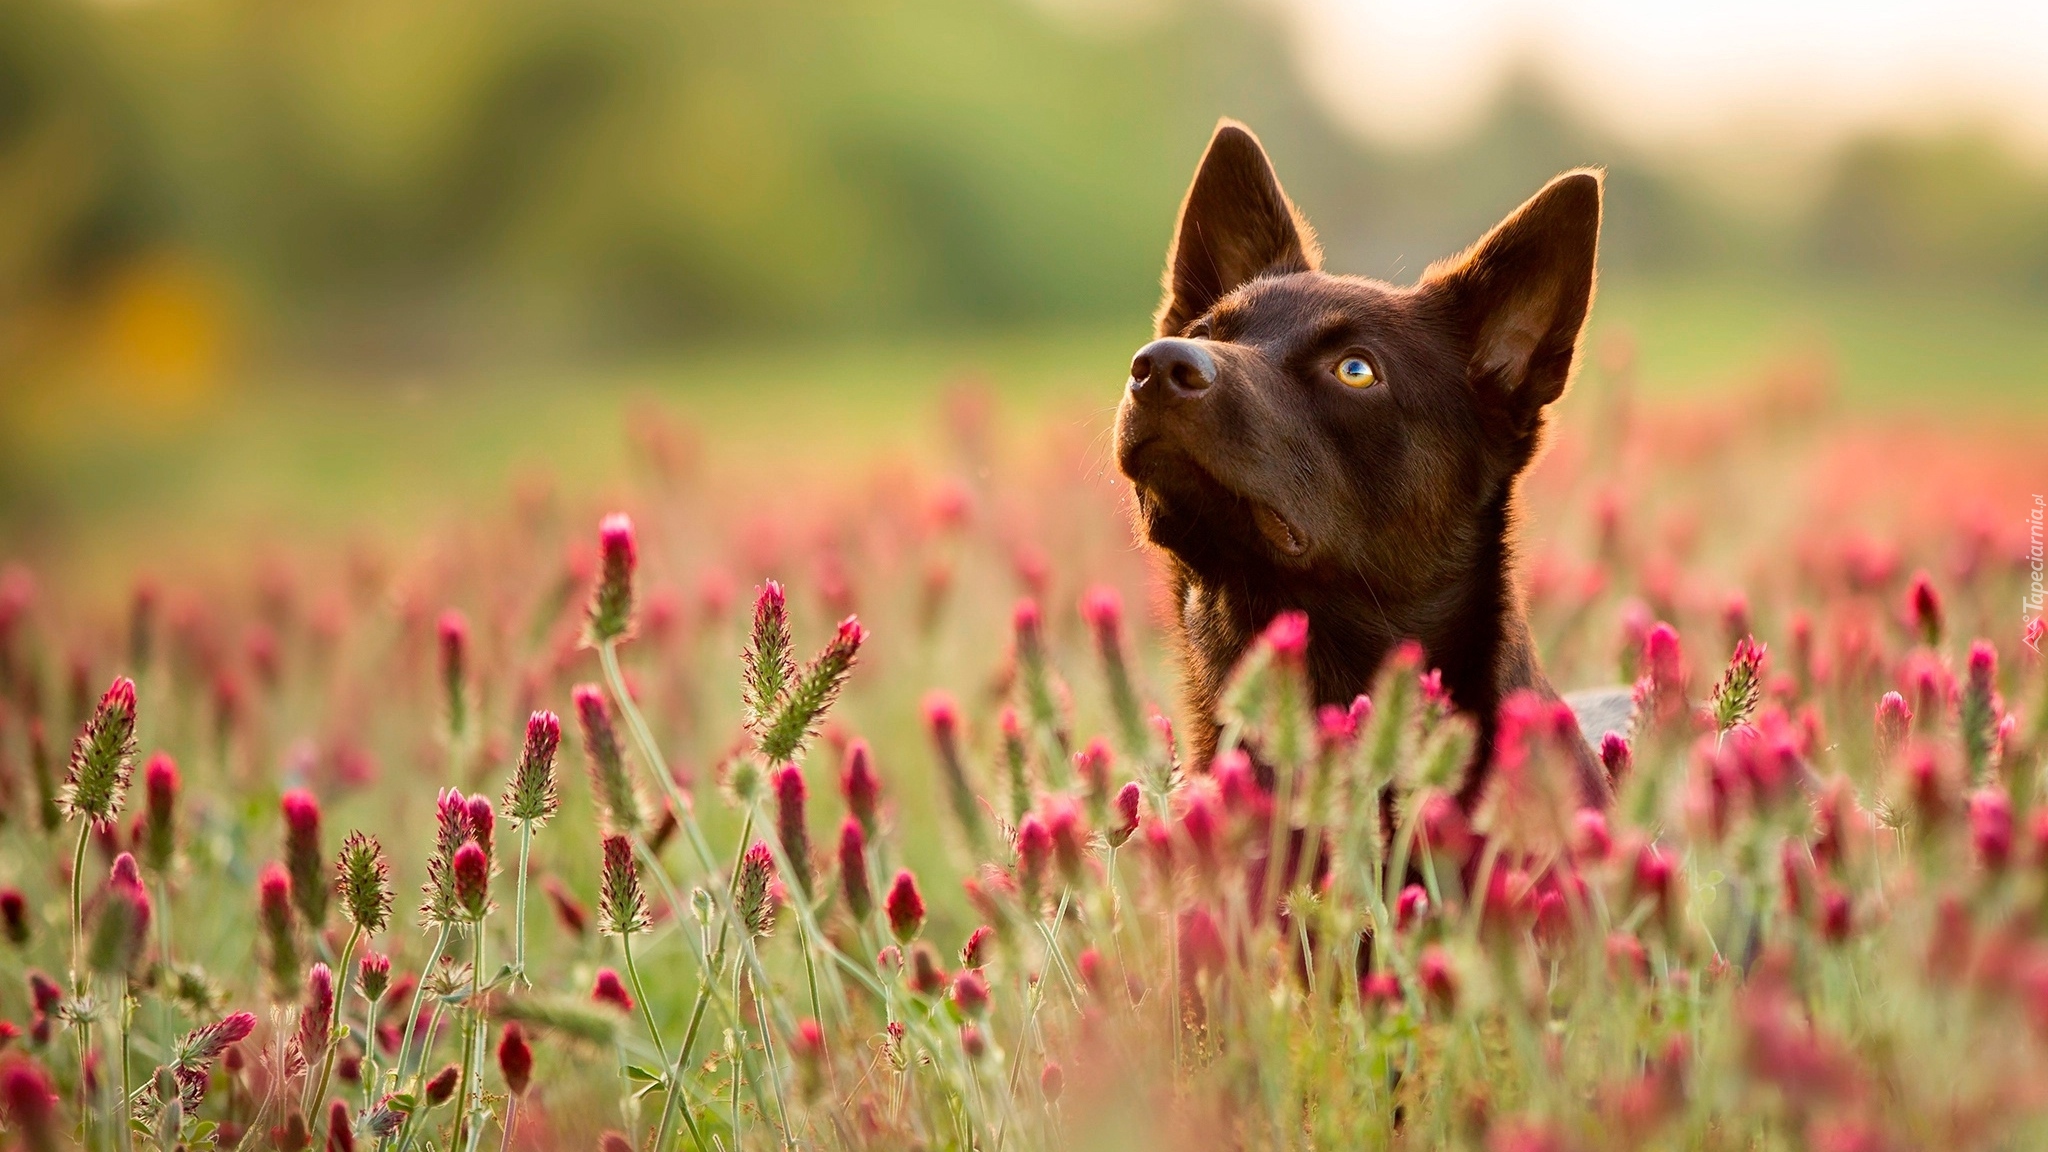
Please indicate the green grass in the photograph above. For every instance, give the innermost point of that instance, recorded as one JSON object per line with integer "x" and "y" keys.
{"x": 312, "y": 453}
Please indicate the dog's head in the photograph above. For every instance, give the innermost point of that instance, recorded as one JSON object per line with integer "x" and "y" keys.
{"x": 1306, "y": 424}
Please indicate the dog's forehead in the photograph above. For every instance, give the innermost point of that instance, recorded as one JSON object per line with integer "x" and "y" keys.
{"x": 1302, "y": 303}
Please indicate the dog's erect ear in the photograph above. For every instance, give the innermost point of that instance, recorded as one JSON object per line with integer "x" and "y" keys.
{"x": 1235, "y": 224}
{"x": 1523, "y": 292}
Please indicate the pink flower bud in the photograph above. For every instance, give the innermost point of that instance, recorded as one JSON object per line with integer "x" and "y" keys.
{"x": 1052, "y": 1082}
{"x": 482, "y": 821}
{"x": 927, "y": 975}
{"x": 1360, "y": 712}
{"x": 442, "y": 1086}
{"x": 1835, "y": 915}
{"x": 121, "y": 930}
{"x": 1991, "y": 827}
{"x": 1091, "y": 763}
{"x": 790, "y": 792}
{"x": 341, "y": 1135}
{"x": 472, "y": 870}
{"x": 754, "y": 891}
{"x": 1237, "y": 785}
{"x": 1663, "y": 688}
{"x": 1893, "y": 717}
{"x": 1412, "y": 906}
{"x": 941, "y": 714}
{"x": 610, "y": 615}
{"x": 316, "y": 1014}
{"x": 1069, "y": 837}
{"x": 1199, "y": 821}
{"x": 103, "y": 757}
{"x": 515, "y": 1058}
{"x": 1034, "y": 855}
{"x": 452, "y": 631}
{"x": 1983, "y": 665}
{"x": 853, "y": 870}
{"x": 610, "y": 990}
{"x": 1616, "y": 757}
{"x": 1287, "y": 635}
{"x": 303, "y": 857}
{"x": 1027, "y": 623}
{"x": 1591, "y": 840}
{"x": 1923, "y": 608}
{"x": 569, "y": 911}
{"x": 30, "y": 1102}
{"x": 807, "y": 1049}
{"x": 974, "y": 953}
{"x": 1444, "y": 830}
{"x": 1655, "y": 880}
{"x": 125, "y": 873}
{"x": 1379, "y": 989}
{"x": 14, "y": 915}
{"x": 1439, "y": 980}
{"x": 44, "y": 993}
{"x": 373, "y": 975}
{"x": 1334, "y": 726}
{"x": 274, "y": 912}
{"x": 1126, "y": 807}
{"x": 859, "y": 786}
{"x": 970, "y": 993}
{"x": 1103, "y": 608}
{"x": 159, "y": 840}
{"x": 1627, "y": 959}
{"x": 1927, "y": 785}
{"x": 904, "y": 906}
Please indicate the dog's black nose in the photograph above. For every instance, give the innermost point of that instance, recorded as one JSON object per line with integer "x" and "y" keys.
{"x": 1170, "y": 369}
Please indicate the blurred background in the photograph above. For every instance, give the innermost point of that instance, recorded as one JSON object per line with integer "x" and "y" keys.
{"x": 323, "y": 264}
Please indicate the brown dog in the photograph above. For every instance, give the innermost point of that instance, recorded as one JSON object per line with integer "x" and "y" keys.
{"x": 1339, "y": 445}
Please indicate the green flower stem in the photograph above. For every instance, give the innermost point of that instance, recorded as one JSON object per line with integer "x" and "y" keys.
{"x": 469, "y": 1094}
{"x": 312, "y": 1109}
{"x": 686, "y": 817}
{"x": 372, "y": 1076}
{"x": 78, "y": 910}
{"x": 803, "y": 941}
{"x": 736, "y": 1044}
{"x": 163, "y": 928}
{"x": 519, "y": 906}
{"x": 657, "y": 765}
{"x": 640, "y": 995}
{"x": 122, "y": 1022}
{"x": 704, "y": 989}
{"x": 706, "y": 971}
{"x": 807, "y": 930}
{"x": 78, "y": 977}
{"x": 511, "y": 1118}
{"x": 412, "y": 1015}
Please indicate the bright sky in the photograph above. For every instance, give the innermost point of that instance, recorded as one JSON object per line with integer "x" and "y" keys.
{"x": 1807, "y": 70}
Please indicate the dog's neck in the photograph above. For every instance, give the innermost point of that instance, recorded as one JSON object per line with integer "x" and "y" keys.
{"x": 1472, "y": 628}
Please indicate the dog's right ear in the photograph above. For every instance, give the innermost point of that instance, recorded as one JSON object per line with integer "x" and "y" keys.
{"x": 1236, "y": 223}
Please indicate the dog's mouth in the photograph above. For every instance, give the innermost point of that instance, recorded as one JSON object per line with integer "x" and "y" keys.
{"x": 1278, "y": 532}
{"x": 1176, "y": 493}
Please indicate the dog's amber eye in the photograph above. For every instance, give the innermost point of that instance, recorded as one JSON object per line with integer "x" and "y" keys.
{"x": 1356, "y": 372}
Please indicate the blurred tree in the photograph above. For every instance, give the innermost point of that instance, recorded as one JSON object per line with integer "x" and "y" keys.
{"x": 1949, "y": 208}
{"x": 382, "y": 179}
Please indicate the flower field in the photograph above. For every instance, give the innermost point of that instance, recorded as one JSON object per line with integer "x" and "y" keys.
{"x": 846, "y": 810}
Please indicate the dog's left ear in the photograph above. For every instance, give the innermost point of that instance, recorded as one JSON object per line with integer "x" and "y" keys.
{"x": 1235, "y": 223}
{"x": 1522, "y": 293}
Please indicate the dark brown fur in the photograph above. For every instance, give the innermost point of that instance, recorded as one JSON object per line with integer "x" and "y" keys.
{"x": 1387, "y": 512}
